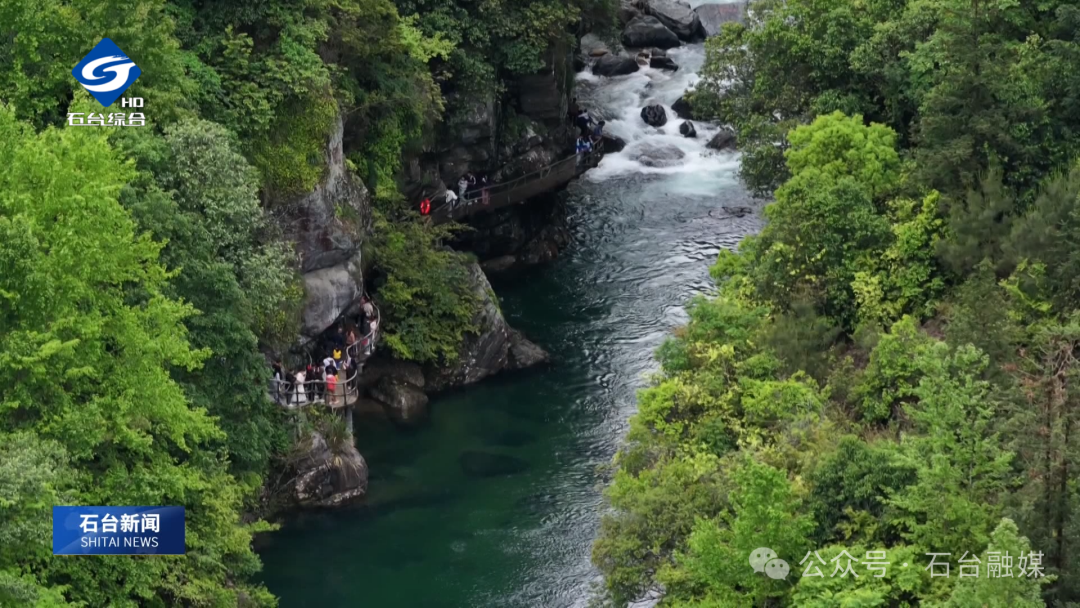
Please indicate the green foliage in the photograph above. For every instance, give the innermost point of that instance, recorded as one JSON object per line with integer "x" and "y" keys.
{"x": 836, "y": 146}
{"x": 1000, "y": 592}
{"x": 88, "y": 335}
{"x": 428, "y": 298}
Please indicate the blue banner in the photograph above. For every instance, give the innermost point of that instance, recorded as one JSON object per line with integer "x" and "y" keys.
{"x": 118, "y": 530}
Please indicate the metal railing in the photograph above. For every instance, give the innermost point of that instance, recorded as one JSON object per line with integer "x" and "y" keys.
{"x": 346, "y": 392}
{"x": 311, "y": 392}
{"x": 519, "y": 189}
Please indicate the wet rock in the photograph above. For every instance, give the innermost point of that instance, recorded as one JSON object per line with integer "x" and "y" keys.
{"x": 681, "y": 107}
{"x": 613, "y": 143}
{"x": 687, "y": 129}
{"x": 714, "y": 16}
{"x": 663, "y": 63}
{"x": 724, "y": 140}
{"x": 657, "y": 155}
{"x": 738, "y": 211}
{"x": 647, "y": 32}
{"x": 499, "y": 264}
{"x": 678, "y": 18}
{"x": 524, "y": 353}
{"x": 614, "y": 65}
{"x": 484, "y": 353}
{"x": 655, "y": 52}
{"x": 379, "y": 367}
{"x": 487, "y": 464}
{"x": 328, "y": 293}
{"x": 404, "y": 403}
{"x": 593, "y": 46}
{"x": 328, "y": 475}
{"x": 654, "y": 115}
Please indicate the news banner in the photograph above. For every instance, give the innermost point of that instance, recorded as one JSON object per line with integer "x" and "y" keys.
{"x": 118, "y": 530}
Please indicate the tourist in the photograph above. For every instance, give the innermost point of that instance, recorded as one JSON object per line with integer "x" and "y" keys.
{"x": 598, "y": 133}
{"x": 582, "y": 149}
{"x": 464, "y": 184}
{"x": 316, "y": 380}
{"x": 287, "y": 386}
{"x": 486, "y": 199}
{"x": 301, "y": 390}
{"x": 279, "y": 380}
{"x": 583, "y": 121}
{"x": 451, "y": 199}
{"x": 331, "y": 387}
{"x": 367, "y": 307}
{"x": 370, "y": 343}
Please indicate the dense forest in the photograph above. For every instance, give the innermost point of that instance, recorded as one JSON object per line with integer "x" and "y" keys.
{"x": 142, "y": 277}
{"x": 886, "y": 370}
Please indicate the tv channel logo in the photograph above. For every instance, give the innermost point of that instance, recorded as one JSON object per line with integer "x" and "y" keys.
{"x": 106, "y": 72}
{"x": 145, "y": 530}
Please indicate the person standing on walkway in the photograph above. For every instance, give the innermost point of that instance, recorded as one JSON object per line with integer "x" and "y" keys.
{"x": 331, "y": 388}
{"x": 484, "y": 196}
{"x": 450, "y": 200}
{"x": 582, "y": 149}
{"x": 583, "y": 121}
{"x": 598, "y": 133}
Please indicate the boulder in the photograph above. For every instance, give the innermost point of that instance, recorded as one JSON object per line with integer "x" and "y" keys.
{"x": 328, "y": 476}
{"x": 613, "y": 143}
{"x": 678, "y": 18}
{"x": 499, "y": 264}
{"x": 404, "y": 403}
{"x": 524, "y": 353}
{"x": 627, "y": 11}
{"x": 325, "y": 223}
{"x": 724, "y": 140}
{"x": 377, "y": 368}
{"x": 663, "y": 63}
{"x": 614, "y": 65}
{"x": 681, "y": 107}
{"x": 484, "y": 353}
{"x": 655, "y": 52}
{"x": 593, "y": 46}
{"x": 654, "y": 115}
{"x": 687, "y": 129}
{"x": 714, "y": 16}
{"x": 329, "y": 292}
{"x": 487, "y": 464}
{"x": 656, "y": 155}
{"x": 647, "y": 32}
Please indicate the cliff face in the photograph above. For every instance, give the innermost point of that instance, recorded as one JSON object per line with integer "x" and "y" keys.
{"x": 327, "y": 226}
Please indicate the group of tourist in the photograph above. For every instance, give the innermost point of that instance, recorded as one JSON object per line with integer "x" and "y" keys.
{"x": 590, "y": 131}
{"x": 330, "y": 380}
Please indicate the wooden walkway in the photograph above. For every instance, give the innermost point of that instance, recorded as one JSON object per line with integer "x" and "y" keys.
{"x": 518, "y": 190}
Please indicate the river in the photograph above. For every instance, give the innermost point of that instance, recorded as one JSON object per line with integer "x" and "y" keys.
{"x": 432, "y": 537}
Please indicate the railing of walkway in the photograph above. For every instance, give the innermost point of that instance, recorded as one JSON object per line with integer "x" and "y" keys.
{"x": 346, "y": 391}
{"x": 520, "y": 188}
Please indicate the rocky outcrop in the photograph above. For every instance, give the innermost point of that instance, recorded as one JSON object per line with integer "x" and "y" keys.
{"x": 488, "y": 351}
{"x": 654, "y": 115}
{"x": 686, "y": 129}
{"x": 647, "y": 31}
{"x": 663, "y": 63}
{"x": 656, "y": 155}
{"x": 678, "y": 18}
{"x": 724, "y": 140}
{"x": 326, "y": 224}
{"x": 614, "y": 65}
{"x": 681, "y": 107}
{"x": 714, "y": 16}
{"x": 329, "y": 292}
{"x": 529, "y": 234}
{"x": 613, "y": 143}
{"x": 405, "y": 403}
{"x": 328, "y": 476}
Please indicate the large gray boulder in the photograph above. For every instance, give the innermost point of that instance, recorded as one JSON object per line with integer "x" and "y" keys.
{"x": 648, "y": 31}
{"x": 654, "y": 115}
{"x": 405, "y": 403}
{"x": 614, "y": 65}
{"x": 678, "y": 18}
{"x": 627, "y": 11}
{"x": 327, "y": 223}
{"x": 486, "y": 352}
{"x": 687, "y": 129}
{"x": 663, "y": 63}
{"x": 714, "y": 16}
{"x": 329, "y": 292}
{"x": 328, "y": 476}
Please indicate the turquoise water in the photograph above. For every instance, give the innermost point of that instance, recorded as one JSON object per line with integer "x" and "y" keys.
{"x": 432, "y": 536}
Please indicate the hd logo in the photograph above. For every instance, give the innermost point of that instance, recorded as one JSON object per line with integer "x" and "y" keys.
{"x": 106, "y": 72}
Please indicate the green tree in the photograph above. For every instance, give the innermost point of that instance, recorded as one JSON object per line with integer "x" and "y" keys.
{"x": 999, "y": 591}
{"x": 87, "y": 338}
